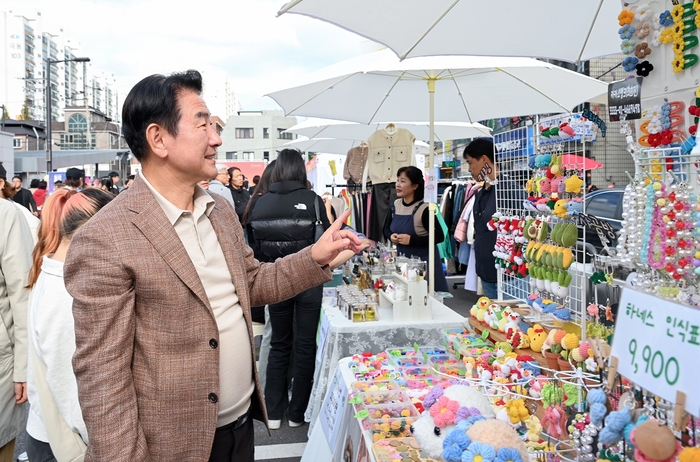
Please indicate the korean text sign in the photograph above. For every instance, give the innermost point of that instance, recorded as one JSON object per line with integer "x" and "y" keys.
{"x": 625, "y": 98}
{"x": 657, "y": 343}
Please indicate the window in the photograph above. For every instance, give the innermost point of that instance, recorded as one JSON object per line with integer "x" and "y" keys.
{"x": 244, "y": 133}
{"x": 266, "y": 155}
{"x": 604, "y": 205}
{"x": 284, "y": 136}
{"x": 248, "y": 155}
{"x": 266, "y": 133}
{"x": 231, "y": 155}
{"x": 77, "y": 124}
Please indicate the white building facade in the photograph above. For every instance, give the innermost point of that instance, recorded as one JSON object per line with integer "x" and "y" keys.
{"x": 26, "y": 45}
{"x": 255, "y": 135}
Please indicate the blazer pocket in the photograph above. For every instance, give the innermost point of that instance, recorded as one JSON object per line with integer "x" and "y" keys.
{"x": 379, "y": 155}
{"x": 402, "y": 153}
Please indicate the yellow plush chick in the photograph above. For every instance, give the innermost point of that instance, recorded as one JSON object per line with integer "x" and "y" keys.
{"x": 517, "y": 412}
{"x": 483, "y": 302}
{"x": 573, "y": 184}
{"x": 473, "y": 310}
{"x": 559, "y": 209}
{"x": 481, "y": 313}
{"x": 537, "y": 337}
{"x": 570, "y": 341}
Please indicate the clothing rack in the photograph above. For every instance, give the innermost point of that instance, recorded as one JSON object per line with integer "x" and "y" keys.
{"x": 348, "y": 186}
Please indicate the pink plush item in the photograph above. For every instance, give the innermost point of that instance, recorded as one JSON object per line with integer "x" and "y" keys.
{"x": 444, "y": 411}
{"x": 554, "y": 421}
{"x": 498, "y": 434}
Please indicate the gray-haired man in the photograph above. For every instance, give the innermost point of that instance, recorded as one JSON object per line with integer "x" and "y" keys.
{"x": 217, "y": 184}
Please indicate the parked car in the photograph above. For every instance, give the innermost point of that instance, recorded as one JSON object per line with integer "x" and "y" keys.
{"x": 605, "y": 204}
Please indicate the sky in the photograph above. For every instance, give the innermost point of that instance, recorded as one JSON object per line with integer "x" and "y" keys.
{"x": 259, "y": 52}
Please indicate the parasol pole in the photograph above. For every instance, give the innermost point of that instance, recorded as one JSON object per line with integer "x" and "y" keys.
{"x": 431, "y": 215}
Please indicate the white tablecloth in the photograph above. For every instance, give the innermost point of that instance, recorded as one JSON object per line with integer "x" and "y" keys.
{"x": 346, "y": 338}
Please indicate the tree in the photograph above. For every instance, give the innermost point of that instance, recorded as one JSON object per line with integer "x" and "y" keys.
{"x": 24, "y": 115}
{"x": 5, "y": 114}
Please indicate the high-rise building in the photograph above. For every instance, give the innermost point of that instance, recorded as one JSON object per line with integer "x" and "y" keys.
{"x": 219, "y": 95}
{"x": 26, "y": 45}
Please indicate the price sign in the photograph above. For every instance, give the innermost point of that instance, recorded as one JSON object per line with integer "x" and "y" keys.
{"x": 657, "y": 343}
{"x": 333, "y": 408}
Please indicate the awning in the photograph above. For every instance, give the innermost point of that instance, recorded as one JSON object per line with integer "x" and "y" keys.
{"x": 35, "y": 161}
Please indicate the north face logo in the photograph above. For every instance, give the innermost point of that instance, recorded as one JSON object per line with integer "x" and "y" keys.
{"x": 300, "y": 206}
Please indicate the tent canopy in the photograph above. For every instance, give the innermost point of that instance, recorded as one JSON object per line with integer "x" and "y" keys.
{"x": 35, "y": 161}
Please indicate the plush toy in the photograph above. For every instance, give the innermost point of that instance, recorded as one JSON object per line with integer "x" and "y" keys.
{"x": 488, "y": 439}
{"x": 560, "y": 210}
{"x": 573, "y": 184}
{"x": 505, "y": 319}
{"x": 470, "y": 403}
{"x": 513, "y": 322}
{"x": 517, "y": 412}
{"x": 537, "y": 337}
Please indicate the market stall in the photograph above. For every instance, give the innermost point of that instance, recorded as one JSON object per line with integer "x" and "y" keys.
{"x": 341, "y": 337}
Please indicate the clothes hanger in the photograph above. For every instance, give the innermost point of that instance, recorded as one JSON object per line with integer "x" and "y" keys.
{"x": 390, "y": 128}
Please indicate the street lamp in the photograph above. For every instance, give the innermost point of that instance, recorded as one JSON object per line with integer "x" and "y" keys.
{"x": 49, "y": 148}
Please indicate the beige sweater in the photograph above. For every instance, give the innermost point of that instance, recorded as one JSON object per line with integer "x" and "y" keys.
{"x": 387, "y": 154}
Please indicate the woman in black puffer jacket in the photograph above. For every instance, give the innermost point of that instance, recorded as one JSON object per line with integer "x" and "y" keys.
{"x": 283, "y": 222}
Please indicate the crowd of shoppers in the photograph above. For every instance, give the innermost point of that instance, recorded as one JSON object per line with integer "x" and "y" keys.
{"x": 152, "y": 358}
{"x": 97, "y": 344}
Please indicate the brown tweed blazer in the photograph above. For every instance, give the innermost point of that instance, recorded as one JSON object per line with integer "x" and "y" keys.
{"x": 145, "y": 364}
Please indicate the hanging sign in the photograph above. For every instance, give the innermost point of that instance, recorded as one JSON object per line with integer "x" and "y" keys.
{"x": 598, "y": 226}
{"x": 333, "y": 408}
{"x": 431, "y": 184}
{"x": 657, "y": 343}
{"x": 625, "y": 98}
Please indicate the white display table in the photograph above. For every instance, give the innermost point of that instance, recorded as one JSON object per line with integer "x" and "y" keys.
{"x": 349, "y": 432}
{"x": 340, "y": 337}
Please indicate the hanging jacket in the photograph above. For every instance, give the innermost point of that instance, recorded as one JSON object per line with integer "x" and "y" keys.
{"x": 283, "y": 220}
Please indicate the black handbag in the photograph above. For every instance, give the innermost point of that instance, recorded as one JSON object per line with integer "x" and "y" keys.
{"x": 318, "y": 225}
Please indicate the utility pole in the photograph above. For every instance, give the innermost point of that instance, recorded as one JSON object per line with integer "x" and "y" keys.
{"x": 49, "y": 136}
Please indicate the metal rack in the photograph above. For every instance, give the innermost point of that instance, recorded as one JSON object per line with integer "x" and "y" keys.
{"x": 521, "y": 165}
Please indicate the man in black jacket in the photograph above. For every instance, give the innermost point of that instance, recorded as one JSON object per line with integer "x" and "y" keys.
{"x": 480, "y": 156}
{"x": 240, "y": 195}
{"x": 24, "y": 196}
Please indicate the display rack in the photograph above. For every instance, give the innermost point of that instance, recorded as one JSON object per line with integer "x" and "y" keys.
{"x": 559, "y": 141}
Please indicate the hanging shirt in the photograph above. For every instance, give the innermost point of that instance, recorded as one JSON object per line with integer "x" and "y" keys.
{"x": 388, "y": 153}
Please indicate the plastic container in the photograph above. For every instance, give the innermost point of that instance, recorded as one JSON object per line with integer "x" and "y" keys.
{"x": 404, "y": 357}
{"x": 470, "y": 351}
{"x": 432, "y": 350}
{"x": 447, "y": 365}
{"x": 381, "y": 398}
{"x": 374, "y": 386}
{"x": 390, "y": 421}
{"x": 419, "y": 377}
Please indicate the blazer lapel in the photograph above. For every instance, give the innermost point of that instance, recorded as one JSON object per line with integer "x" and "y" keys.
{"x": 152, "y": 222}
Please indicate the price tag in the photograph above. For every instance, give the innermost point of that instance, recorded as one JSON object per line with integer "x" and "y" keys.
{"x": 657, "y": 343}
{"x": 333, "y": 408}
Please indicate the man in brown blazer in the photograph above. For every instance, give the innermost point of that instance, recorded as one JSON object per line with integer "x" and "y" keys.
{"x": 164, "y": 343}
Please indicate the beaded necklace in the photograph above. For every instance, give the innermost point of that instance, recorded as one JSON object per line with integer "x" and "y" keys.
{"x": 648, "y": 219}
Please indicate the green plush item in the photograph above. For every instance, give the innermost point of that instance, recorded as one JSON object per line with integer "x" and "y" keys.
{"x": 551, "y": 394}
{"x": 564, "y": 279}
{"x": 571, "y": 393}
{"x": 543, "y": 232}
{"x": 555, "y": 235}
{"x": 569, "y": 235}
